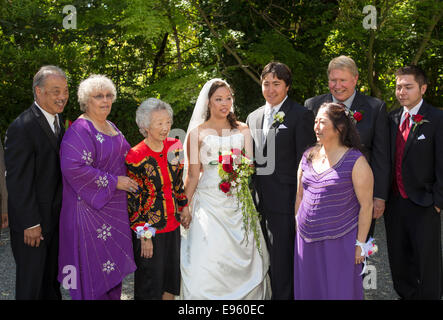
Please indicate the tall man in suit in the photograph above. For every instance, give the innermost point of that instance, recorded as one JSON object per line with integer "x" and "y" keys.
{"x": 282, "y": 130}
{"x": 372, "y": 125}
{"x": 412, "y": 219}
{"x": 34, "y": 183}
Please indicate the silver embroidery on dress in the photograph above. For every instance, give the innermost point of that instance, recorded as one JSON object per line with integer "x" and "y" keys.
{"x": 102, "y": 182}
{"x": 87, "y": 156}
{"x": 108, "y": 267}
{"x": 99, "y": 138}
{"x": 104, "y": 232}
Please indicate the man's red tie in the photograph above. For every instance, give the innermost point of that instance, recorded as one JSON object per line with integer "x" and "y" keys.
{"x": 404, "y": 128}
{"x": 402, "y": 136}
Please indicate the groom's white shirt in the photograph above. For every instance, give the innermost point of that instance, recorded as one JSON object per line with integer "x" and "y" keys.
{"x": 267, "y": 121}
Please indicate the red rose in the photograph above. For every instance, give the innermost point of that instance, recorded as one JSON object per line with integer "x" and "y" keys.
{"x": 225, "y": 186}
{"x": 226, "y": 159}
{"x": 357, "y": 116}
{"x": 417, "y": 118}
{"x": 227, "y": 167}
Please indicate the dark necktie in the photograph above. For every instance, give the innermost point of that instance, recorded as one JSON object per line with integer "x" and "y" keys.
{"x": 56, "y": 127}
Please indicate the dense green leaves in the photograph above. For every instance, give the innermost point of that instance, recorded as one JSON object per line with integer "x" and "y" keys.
{"x": 169, "y": 48}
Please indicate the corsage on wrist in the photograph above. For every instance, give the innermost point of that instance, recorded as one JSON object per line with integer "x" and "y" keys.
{"x": 145, "y": 232}
{"x": 367, "y": 249}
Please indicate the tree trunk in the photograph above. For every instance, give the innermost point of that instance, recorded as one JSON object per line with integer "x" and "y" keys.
{"x": 159, "y": 55}
{"x": 427, "y": 37}
{"x": 229, "y": 49}
{"x": 372, "y": 75}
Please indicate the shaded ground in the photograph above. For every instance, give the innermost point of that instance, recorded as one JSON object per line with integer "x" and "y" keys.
{"x": 380, "y": 286}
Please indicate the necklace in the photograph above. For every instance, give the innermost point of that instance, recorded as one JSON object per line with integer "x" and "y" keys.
{"x": 106, "y": 128}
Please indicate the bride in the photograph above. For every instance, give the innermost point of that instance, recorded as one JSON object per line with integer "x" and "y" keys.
{"x": 219, "y": 260}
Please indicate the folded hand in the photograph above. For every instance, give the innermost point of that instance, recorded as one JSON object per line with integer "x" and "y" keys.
{"x": 33, "y": 236}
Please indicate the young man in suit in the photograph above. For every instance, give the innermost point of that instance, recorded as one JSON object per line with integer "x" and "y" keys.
{"x": 412, "y": 219}
{"x": 282, "y": 130}
{"x": 34, "y": 183}
{"x": 372, "y": 124}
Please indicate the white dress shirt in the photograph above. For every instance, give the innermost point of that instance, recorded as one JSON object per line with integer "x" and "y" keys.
{"x": 411, "y": 112}
{"x": 49, "y": 117}
{"x": 347, "y": 102}
{"x": 269, "y": 110}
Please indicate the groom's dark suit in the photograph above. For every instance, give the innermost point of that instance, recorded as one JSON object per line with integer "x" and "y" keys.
{"x": 34, "y": 182}
{"x": 413, "y": 227}
{"x": 374, "y": 133}
{"x": 276, "y": 188}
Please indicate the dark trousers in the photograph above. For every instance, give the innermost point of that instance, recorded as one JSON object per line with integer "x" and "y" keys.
{"x": 413, "y": 236}
{"x": 161, "y": 273}
{"x": 36, "y": 268}
{"x": 279, "y": 233}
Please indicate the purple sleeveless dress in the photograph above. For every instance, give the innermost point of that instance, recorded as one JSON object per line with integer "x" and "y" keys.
{"x": 327, "y": 220}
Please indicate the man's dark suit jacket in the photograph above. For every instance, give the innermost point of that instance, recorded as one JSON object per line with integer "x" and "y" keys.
{"x": 277, "y": 191}
{"x": 374, "y": 136}
{"x": 33, "y": 175}
{"x": 422, "y": 164}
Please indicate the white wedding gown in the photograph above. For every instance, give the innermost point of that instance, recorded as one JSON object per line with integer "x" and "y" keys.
{"x": 217, "y": 262}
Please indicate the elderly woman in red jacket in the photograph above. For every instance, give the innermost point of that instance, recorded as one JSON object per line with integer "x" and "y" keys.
{"x": 159, "y": 205}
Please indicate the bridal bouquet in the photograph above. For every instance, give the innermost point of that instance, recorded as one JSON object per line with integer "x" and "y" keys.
{"x": 235, "y": 169}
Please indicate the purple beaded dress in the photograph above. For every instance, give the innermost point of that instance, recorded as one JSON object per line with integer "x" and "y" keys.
{"x": 327, "y": 219}
{"x": 95, "y": 251}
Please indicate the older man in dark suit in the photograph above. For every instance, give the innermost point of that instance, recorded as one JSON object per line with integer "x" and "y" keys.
{"x": 412, "y": 219}
{"x": 372, "y": 124}
{"x": 34, "y": 183}
{"x": 282, "y": 130}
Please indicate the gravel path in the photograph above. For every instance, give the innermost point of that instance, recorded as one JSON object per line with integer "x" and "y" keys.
{"x": 379, "y": 282}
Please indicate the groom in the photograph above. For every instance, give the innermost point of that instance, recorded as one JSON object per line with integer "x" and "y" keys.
{"x": 282, "y": 130}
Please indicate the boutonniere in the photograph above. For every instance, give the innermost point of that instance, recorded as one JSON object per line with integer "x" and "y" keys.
{"x": 278, "y": 117}
{"x": 356, "y": 115}
{"x": 418, "y": 120}
{"x": 68, "y": 123}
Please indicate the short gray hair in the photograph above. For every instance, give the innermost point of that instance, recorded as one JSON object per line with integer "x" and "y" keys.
{"x": 143, "y": 114}
{"x": 343, "y": 62}
{"x": 42, "y": 74}
{"x": 94, "y": 83}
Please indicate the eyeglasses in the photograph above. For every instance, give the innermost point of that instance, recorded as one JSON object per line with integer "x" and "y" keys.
{"x": 101, "y": 96}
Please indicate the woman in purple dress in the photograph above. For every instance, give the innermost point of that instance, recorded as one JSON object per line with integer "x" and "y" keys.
{"x": 95, "y": 251}
{"x": 333, "y": 210}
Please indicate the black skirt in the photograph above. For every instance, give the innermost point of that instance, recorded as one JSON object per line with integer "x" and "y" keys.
{"x": 161, "y": 273}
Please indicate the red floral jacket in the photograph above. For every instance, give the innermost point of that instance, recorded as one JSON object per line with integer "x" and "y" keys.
{"x": 160, "y": 197}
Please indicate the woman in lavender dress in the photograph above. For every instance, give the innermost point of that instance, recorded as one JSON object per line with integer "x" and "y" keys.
{"x": 333, "y": 210}
{"x": 95, "y": 251}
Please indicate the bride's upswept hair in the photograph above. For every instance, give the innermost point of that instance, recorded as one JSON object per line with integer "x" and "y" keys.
{"x": 231, "y": 116}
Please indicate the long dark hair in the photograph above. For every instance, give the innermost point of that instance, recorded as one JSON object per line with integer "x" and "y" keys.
{"x": 344, "y": 123}
{"x": 231, "y": 116}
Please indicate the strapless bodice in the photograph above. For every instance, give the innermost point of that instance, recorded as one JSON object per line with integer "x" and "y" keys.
{"x": 210, "y": 148}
